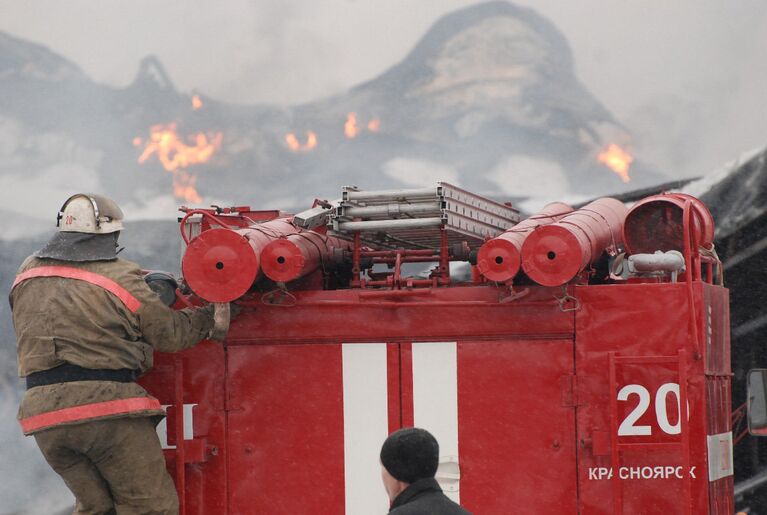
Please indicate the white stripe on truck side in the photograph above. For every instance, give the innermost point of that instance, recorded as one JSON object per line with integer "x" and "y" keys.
{"x": 366, "y": 426}
{"x": 435, "y": 405}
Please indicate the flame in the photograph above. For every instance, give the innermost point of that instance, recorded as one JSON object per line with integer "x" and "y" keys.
{"x": 296, "y": 146}
{"x": 184, "y": 187}
{"x": 173, "y": 153}
{"x": 617, "y": 160}
{"x": 196, "y": 102}
{"x": 350, "y": 127}
{"x": 351, "y": 130}
{"x": 176, "y": 156}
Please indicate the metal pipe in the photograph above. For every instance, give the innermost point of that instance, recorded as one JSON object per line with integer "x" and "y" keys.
{"x": 404, "y": 252}
{"x": 689, "y": 240}
{"x": 297, "y": 255}
{"x": 220, "y": 265}
{"x": 556, "y": 253}
{"x": 408, "y": 282}
{"x": 500, "y": 258}
{"x": 409, "y": 259}
{"x": 367, "y": 294}
{"x": 356, "y": 265}
{"x": 391, "y": 209}
{"x": 406, "y": 194}
{"x": 383, "y": 225}
{"x": 671, "y": 261}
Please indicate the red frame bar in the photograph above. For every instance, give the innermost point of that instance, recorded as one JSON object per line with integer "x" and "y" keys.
{"x": 684, "y": 418}
{"x": 614, "y": 452}
{"x": 178, "y": 406}
{"x": 406, "y": 375}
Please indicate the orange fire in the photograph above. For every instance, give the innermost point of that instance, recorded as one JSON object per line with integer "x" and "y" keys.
{"x": 176, "y": 156}
{"x": 350, "y": 127}
{"x": 617, "y": 160}
{"x": 297, "y": 146}
{"x": 196, "y": 102}
{"x": 184, "y": 186}
{"x": 352, "y": 130}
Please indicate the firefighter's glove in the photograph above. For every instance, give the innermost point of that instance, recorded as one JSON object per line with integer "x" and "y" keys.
{"x": 221, "y": 318}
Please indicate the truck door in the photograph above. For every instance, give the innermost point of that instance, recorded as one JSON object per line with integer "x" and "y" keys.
{"x": 497, "y": 408}
{"x": 306, "y": 423}
{"x": 517, "y": 433}
{"x": 285, "y": 429}
{"x": 642, "y": 411}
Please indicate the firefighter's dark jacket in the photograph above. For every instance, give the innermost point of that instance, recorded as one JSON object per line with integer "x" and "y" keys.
{"x": 425, "y": 497}
{"x": 62, "y": 320}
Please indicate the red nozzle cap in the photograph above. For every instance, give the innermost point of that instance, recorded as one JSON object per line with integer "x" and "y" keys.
{"x": 552, "y": 255}
{"x": 220, "y": 265}
{"x": 282, "y": 261}
{"x": 498, "y": 260}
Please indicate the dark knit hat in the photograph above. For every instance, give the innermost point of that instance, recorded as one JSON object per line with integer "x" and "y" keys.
{"x": 410, "y": 454}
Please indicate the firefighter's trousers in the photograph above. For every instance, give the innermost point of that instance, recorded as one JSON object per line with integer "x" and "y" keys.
{"x": 113, "y": 466}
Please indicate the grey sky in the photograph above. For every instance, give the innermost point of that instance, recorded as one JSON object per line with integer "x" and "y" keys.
{"x": 687, "y": 76}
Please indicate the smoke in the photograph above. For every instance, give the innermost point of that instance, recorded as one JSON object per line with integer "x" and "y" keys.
{"x": 419, "y": 172}
{"x": 540, "y": 178}
{"x": 23, "y": 465}
{"x": 154, "y": 207}
{"x": 49, "y": 187}
{"x": 686, "y": 77}
{"x": 271, "y": 51}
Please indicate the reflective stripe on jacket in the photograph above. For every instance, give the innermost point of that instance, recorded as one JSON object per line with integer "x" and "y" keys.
{"x": 131, "y": 302}
{"x": 87, "y": 412}
{"x": 97, "y": 315}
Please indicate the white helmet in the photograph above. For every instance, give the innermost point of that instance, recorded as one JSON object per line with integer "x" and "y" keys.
{"x": 90, "y": 213}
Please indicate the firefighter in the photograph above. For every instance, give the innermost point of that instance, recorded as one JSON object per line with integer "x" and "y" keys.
{"x": 409, "y": 461}
{"x": 87, "y": 325}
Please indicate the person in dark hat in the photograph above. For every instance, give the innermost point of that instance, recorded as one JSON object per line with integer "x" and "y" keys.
{"x": 409, "y": 460}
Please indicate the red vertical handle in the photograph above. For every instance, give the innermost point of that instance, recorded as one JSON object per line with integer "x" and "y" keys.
{"x": 444, "y": 256}
{"x": 394, "y": 386}
{"x": 407, "y": 417}
{"x": 178, "y": 406}
{"x": 614, "y": 451}
{"x": 356, "y": 265}
{"x": 683, "y": 417}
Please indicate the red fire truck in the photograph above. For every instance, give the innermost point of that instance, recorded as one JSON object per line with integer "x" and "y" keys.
{"x": 581, "y": 367}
